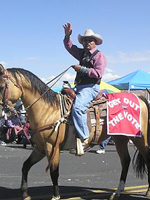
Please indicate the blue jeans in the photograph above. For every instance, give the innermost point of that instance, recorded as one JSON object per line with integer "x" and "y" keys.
{"x": 104, "y": 143}
{"x": 84, "y": 95}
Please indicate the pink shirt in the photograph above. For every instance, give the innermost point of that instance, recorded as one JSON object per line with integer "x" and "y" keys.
{"x": 98, "y": 61}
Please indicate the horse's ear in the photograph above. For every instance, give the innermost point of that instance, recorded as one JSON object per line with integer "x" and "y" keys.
{"x": 2, "y": 69}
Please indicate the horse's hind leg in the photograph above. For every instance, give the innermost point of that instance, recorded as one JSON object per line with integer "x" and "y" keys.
{"x": 122, "y": 150}
{"x": 148, "y": 169}
{"x": 142, "y": 160}
{"x": 146, "y": 157}
{"x": 33, "y": 159}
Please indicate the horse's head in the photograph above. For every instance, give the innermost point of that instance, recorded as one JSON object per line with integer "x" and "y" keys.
{"x": 10, "y": 92}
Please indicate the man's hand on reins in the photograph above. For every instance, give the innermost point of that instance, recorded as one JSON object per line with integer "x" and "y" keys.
{"x": 77, "y": 68}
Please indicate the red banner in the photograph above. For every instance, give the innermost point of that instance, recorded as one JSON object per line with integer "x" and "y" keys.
{"x": 123, "y": 114}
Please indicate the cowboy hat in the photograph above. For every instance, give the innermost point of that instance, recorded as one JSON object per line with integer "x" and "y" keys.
{"x": 90, "y": 34}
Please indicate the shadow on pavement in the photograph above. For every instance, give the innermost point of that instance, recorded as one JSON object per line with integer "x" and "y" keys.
{"x": 45, "y": 193}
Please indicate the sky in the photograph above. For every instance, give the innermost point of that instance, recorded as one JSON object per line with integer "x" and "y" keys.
{"x": 31, "y": 35}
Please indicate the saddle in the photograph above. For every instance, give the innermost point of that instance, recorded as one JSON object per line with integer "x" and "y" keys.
{"x": 96, "y": 113}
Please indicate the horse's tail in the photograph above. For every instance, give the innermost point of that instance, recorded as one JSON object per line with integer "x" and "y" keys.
{"x": 139, "y": 164}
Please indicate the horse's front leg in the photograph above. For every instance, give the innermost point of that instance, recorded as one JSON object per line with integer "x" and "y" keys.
{"x": 122, "y": 150}
{"x": 54, "y": 173}
{"x": 33, "y": 159}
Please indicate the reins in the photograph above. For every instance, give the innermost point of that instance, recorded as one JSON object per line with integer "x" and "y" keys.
{"x": 59, "y": 77}
{"x": 148, "y": 91}
{"x": 5, "y": 95}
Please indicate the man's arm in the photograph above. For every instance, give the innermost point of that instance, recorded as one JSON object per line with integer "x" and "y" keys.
{"x": 99, "y": 64}
{"x": 70, "y": 47}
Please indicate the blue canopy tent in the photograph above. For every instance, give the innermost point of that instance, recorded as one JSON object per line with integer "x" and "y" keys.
{"x": 138, "y": 80}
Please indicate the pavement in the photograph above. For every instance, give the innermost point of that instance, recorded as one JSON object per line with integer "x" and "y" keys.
{"x": 92, "y": 176}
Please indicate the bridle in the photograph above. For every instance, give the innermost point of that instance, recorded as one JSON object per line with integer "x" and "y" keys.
{"x": 5, "y": 94}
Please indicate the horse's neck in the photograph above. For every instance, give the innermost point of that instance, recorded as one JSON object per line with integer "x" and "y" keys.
{"x": 39, "y": 111}
{"x": 29, "y": 99}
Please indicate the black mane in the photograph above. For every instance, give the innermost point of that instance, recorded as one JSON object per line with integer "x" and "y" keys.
{"x": 37, "y": 84}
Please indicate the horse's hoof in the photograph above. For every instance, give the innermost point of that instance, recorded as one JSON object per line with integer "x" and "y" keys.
{"x": 147, "y": 194}
{"x": 27, "y": 198}
{"x": 55, "y": 198}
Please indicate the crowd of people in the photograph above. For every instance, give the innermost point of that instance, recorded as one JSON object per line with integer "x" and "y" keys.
{"x": 14, "y": 127}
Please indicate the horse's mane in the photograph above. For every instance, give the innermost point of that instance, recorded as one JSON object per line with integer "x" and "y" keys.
{"x": 37, "y": 84}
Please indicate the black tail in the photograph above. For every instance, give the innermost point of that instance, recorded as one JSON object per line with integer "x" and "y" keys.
{"x": 139, "y": 164}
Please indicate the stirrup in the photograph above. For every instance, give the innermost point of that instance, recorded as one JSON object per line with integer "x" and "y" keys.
{"x": 80, "y": 150}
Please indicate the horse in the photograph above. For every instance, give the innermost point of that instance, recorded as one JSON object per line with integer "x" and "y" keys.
{"x": 44, "y": 113}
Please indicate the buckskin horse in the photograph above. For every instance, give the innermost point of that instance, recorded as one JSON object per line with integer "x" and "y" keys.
{"x": 44, "y": 116}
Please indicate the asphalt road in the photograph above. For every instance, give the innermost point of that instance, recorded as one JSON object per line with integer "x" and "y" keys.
{"x": 91, "y": 176}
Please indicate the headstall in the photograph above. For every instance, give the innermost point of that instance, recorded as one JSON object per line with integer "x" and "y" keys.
{"x": 7, "y": 79}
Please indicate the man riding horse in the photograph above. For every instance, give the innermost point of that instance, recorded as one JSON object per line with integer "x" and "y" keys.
{"x": 91, "y": 67}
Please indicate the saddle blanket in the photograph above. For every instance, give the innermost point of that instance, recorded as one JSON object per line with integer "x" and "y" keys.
{"x": 123, "y": 114}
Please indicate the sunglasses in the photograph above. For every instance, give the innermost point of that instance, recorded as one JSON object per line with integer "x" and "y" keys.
{"x": 88, "y": 40}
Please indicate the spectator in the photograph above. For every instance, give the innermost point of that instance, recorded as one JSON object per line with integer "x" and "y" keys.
{"x": 3, "y": 130}
{"x": 103, "y": 145}
{"x": 14, "y": 124}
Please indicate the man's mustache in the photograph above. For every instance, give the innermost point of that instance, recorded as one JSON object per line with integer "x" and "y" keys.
{"x": 87, "y": 46}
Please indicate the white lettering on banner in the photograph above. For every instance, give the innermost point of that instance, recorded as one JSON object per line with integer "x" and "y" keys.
{"x": 116, "y": 119}
{"x": 114, "y": 102}
{"x": 131, "y": 103}
{"x": 130, "y": 118}
{"x": 127, "y": 116}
